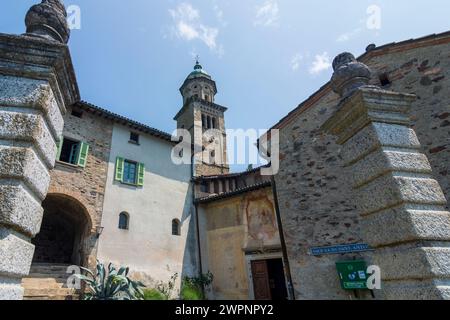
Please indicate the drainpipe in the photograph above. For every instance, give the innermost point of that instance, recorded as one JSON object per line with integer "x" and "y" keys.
{"x": 197, "y": 224}
{"x": 282, "y": 240}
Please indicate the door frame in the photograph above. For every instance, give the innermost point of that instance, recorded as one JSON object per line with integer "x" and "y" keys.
{"x": 261, "y": 256}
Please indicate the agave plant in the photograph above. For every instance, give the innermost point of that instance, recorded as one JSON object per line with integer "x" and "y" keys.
{"x": 112, "y": 285}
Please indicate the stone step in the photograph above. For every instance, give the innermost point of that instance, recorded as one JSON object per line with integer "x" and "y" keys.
{"x": 61, "y": 276}
{"x": 49, "y": 269}
{"x": 49, "y": 292}
{"x": 70, "y": 297}
{"x": 48, "y": 282}
{"x": 43, "y": 283}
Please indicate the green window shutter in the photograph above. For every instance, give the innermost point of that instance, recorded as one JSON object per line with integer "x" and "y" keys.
{"x": 59, "y": 144}
{"x": 119, "y": 169}
{"x": 83, "y": 154}
{"x": 141, "y": 173}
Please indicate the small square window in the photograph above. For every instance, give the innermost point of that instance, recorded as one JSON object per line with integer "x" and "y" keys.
{"x": 134, "y": 138}
{"x": 384, "y": 80}
{"x": 77, "y": 113}
{"x": 69, "y": 151}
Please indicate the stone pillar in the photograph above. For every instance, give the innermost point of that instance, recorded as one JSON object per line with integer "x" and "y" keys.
{"x": 37, "y": 82}
{"x": 402, "y": 207}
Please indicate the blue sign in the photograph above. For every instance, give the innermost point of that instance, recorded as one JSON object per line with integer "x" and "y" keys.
{"x": 345, "y": 248}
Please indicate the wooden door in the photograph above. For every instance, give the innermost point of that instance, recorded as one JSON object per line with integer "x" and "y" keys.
{"x": 261, "y": 286}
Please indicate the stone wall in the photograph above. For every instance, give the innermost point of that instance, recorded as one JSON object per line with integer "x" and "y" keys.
{"x": 86, "y": 185}
{"x": 313, "y": 190}
{"x": 425, "y": 72}
{"x": 191, "y": 119}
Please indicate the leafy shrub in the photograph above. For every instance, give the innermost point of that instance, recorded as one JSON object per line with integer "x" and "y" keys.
{"x": 153, "y": 294}
{"x": 189, "y": 292}
{"x": 192, "y": 287}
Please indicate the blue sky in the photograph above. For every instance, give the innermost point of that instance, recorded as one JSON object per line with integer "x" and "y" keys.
{"x": 267, "y": 56}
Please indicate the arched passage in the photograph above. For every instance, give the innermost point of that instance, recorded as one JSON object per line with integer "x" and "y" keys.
{"x": 65, "y": 228}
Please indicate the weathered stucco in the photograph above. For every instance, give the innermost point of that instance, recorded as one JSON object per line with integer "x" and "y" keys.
{"x": 148, "y": 247}
{"x": 230, "y": 229}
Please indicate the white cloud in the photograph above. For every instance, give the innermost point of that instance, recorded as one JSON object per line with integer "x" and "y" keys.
{"x": 185, "y": 11}
{"x": 268, "y": 14}
{"x": 187, "y": 31}
{"x": 220, "y": 15}
{"x": 188, "y": 26}
{"x": 321, "y": 63}
{"x": 349, "y": 35}
{"x": 295, "y": 61}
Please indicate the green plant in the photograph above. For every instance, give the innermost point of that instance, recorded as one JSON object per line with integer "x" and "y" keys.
{"x": 166, "y": 289}
{"x": 153, "y": 294}
{"x": 193, "y": 287}
{"x": 189, "y": 292}
{"x": 112, "y": 285}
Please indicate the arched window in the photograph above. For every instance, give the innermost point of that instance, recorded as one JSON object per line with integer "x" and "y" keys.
{"x": 124, "y": 221}
{"x": 204, "y": 123}
{"x": 216, "y": 186}
{"x": 176, "y": 227}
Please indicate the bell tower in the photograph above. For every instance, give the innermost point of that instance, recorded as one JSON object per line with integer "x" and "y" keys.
{"x": 205, "y": 121}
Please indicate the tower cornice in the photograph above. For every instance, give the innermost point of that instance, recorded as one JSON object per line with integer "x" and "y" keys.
{"x": 194, "y": 99}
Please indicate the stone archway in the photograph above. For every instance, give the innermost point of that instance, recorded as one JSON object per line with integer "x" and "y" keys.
{"x": 63, "y": 241}
{"x": 66, "y": 226}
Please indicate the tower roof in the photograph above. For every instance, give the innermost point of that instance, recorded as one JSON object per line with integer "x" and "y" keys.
{"x": 198, "y": 72}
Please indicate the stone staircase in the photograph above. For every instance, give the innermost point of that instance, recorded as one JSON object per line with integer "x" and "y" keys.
{"x": 48, "y": 282}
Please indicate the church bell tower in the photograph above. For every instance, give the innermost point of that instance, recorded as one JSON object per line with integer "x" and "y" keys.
{"x": 205, "y": 121}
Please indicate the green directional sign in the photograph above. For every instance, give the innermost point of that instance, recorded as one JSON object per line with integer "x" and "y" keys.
{"x": 352, "y": 274}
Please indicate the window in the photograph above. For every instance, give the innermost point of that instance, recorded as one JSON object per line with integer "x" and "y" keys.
{"x": 129, "y": 172}
{"x": 134, "y": 138}
{"x": 176, "y": 230}
{"x": 384, "y": 80}
{"x": 77, "y": 113}
{"x": 208, "y": 120}
{"x": 124, "y": 220}
{"x": 206, "y": 97}
{"x": 72, "y": 152}
{"x": 214, "y": 123}
{"x": 204, "y": 187}
{"x": 204, "y": 121}
{"x": 216, "y": 186}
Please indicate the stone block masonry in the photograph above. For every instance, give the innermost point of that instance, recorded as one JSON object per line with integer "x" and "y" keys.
{"x": 315, "y": 191}
{"x": 86, "y": 185}
{"x": 27, "y": 153}
{"x": 402, "y": 206}
{"x": 37, "y": 82}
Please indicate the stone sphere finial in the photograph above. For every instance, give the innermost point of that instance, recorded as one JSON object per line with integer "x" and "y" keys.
{"x": 349, "y": 74}
{"x": 49, "y": 20}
